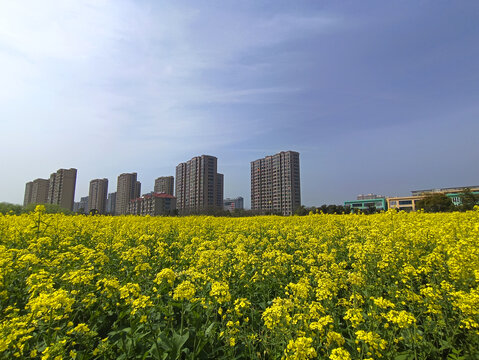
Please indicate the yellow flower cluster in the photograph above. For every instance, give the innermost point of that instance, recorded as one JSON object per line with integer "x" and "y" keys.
{"x": 277, "y": 315}
{"x": 340, "y": 354}
{"x": 341, "y": 287}
{"x": 220, "y": 291}
{"x": 165, "y": 274}
{"x": 401, "y": 318}
{"x": 184, "y": 291}
{"x": 300, "y": 349}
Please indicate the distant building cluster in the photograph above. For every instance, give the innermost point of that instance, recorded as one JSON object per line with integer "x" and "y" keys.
{"x": 199, "y": 187}
{"x": 233, "y": 204}
{"x": 59, "y": 189}
{"x": 406, "y": 203}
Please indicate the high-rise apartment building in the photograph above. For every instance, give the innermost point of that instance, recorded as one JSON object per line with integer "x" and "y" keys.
{"x": 198, "y": 185}
{"x": 40, "y": 191}
{"x": 275, "y": 183}
{"x": 36, "y": 192}
{"x": 98, "y": 195}
{"x": 61, "y": 190}
{"x": 165, "y": 185}
{"x": 128, "y": 188}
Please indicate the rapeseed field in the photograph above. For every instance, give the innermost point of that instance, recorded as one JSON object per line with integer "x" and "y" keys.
{"x": 393, "y": 285}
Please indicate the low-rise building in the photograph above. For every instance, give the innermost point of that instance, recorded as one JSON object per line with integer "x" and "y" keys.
{"x": 454, "y": 193}
{"x": 368, "y": 202}
{"x": 406, "y": 203}
{"x": 153, "y": 204}
{"x": 81, "y": 206}
{"x": 234, "y": 203}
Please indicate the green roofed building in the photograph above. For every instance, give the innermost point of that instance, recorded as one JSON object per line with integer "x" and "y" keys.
{"x": 367, "y": 202}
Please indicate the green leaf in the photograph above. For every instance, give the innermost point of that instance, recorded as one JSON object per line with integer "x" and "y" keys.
{"x": 208, "y": 330}
{"x": 404, "y": 356}
{"x": 179, "y": 340}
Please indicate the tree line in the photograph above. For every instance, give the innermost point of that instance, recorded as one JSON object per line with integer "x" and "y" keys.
{"x": 434, "y": 202}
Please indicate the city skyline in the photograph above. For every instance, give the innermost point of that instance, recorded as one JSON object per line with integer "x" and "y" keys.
{"x": 275, "y": 188}
{"x": 378, "y": 97}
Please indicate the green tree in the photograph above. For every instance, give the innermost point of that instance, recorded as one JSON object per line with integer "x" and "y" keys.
{"x": 468, "y": 199}
{"x": 49, "y": 209}
{"x": 301, "y": 211}
{"x": 435, "y": 202}
{"x": 6, "y": 208}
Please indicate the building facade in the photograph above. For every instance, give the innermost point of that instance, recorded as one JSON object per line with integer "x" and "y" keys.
{"x": 128, "y": 188}
{"x": 232, "y": 204}
{"x": 199, "y": 186}
{"x": 368, "y": 202}
{"x": 81, "y": 206}
{"x": 153, "y": 204}
{"x": 454, "y": 193}
{"x": 27, "y": 198}
{"x": 36, "y": 192}
{"x": 406, "y": 203}
{"x": 275, "y": 183}
{"x": 97, "y": 195}
{"x": 220, "y": 179}
{"x": 61, "y": 189}
{"x": 165, "y": 185}
{"x": 111, "y": 203}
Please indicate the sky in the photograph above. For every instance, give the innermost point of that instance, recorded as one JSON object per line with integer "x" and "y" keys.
{"x": 376, "y": 96}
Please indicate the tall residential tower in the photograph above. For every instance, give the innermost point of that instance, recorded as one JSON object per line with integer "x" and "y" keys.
{"x": 199, "y": 186}
{"x": 128, "y": 188}
{"x": 275, "y": 183}
{"x": 36, "y": 192}
{"x": 98, "y": 195}
{"x": 61, "y": 190}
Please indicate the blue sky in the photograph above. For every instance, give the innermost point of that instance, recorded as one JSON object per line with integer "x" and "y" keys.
{"x": 377, "y": 96}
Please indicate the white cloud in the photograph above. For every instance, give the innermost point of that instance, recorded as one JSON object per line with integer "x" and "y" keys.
{"x": 132, "y": 72}
{"x": 68, "y": 30}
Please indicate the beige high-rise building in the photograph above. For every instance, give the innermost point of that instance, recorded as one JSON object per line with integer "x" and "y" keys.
{"x": 165, "y": 185}
{"x": 275, "y": 183}
{"x": 40, "y": 191}
{"x": 199, "y": 187}
{"x": 128, "y": 188}
{"x": 61, "y": 190}
{"x": 97, "y": 195}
